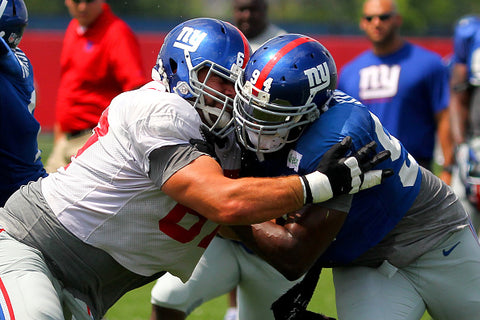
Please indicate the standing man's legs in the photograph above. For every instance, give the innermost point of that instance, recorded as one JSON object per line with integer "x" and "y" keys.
{"x": 63, "y": 150}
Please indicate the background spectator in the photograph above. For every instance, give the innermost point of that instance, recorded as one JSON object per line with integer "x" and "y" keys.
{"x": 251, "y": 17}
{"x": 405, "y": 85}
{"x": 100, "y": 59}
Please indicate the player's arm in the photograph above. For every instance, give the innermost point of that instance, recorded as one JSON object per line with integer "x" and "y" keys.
{"x": 293, "y": 248}
{"x": 201, "y": 186}
{"x": 445, "y": 138}
{"x": 459, "y": 98}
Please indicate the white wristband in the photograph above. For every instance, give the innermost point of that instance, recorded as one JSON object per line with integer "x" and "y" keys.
{"x": 320, "y": 187}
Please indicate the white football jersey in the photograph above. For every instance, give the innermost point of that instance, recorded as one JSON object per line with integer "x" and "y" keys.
{"x": 106, "y": 198}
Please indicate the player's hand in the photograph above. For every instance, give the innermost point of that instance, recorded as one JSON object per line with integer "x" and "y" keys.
{"x": 367, "y": 158}
{"x": 337, "y": 174}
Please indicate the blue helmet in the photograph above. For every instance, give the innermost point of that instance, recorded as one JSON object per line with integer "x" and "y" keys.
{"x": 465, "y": 29}
{"x": 286, "y": 84}
{"x": 13, "y": 20}
{"x": 203, "y": 43}
{"x": 467, "y": 25}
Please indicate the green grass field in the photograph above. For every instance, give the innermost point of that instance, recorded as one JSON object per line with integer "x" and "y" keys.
{"x": 135, "y": 305}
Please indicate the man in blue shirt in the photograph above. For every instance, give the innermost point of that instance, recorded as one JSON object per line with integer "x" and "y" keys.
{"x": 19, "y": 155}
{"x": 404, "y": 85}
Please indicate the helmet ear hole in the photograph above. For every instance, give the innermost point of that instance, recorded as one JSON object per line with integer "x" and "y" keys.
{"x": 173, "y": 65}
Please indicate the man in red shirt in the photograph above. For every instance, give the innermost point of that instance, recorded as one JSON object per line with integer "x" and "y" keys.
{"x": 100, "y": 59}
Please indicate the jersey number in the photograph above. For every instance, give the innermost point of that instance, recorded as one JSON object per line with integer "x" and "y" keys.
{"x": 169, "y": 225}
{"x": 408, "y": 173}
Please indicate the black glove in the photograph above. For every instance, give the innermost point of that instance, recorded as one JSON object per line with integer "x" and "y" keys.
{"x": 292, "y": 305}
{"x": 337, "y": 174}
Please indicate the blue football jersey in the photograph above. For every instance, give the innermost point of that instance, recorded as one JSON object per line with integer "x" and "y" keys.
{"x": 374, "y": 212}
{"x": 19, "y": 154}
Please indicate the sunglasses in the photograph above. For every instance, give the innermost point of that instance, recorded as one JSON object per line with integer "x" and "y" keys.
{"x": 86, "y": 1}
{"x": 382, "y": 17}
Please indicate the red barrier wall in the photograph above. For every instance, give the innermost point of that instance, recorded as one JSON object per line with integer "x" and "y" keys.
{"x": 43, "y": 48}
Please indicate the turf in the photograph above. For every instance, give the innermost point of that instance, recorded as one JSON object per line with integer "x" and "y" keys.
{"x": 135, "y": 305}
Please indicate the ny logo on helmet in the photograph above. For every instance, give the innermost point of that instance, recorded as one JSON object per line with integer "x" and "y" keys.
{"x": 318, "y": 77}
{"x": 189, "y": 39}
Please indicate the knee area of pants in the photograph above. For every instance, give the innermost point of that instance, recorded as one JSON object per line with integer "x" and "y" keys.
{"x": 173, "y": 298}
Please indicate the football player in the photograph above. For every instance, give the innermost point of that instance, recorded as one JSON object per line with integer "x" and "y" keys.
{"x": 143, "y": 196}
{"x": 20, "y": 160}
{"x": 401, "y": 248}
{"x": 396, "y": 249}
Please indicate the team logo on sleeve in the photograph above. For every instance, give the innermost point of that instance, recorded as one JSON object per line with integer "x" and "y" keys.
{"x": 189, "y": 39}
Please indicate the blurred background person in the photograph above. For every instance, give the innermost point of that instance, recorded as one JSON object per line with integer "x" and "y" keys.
{"x": 465, "y": 113}
{"x": 20, "y": 160}
{"x": 100, "y": 59}
{"x": 251, "y": 17}
{"x": 403, "y": 84}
